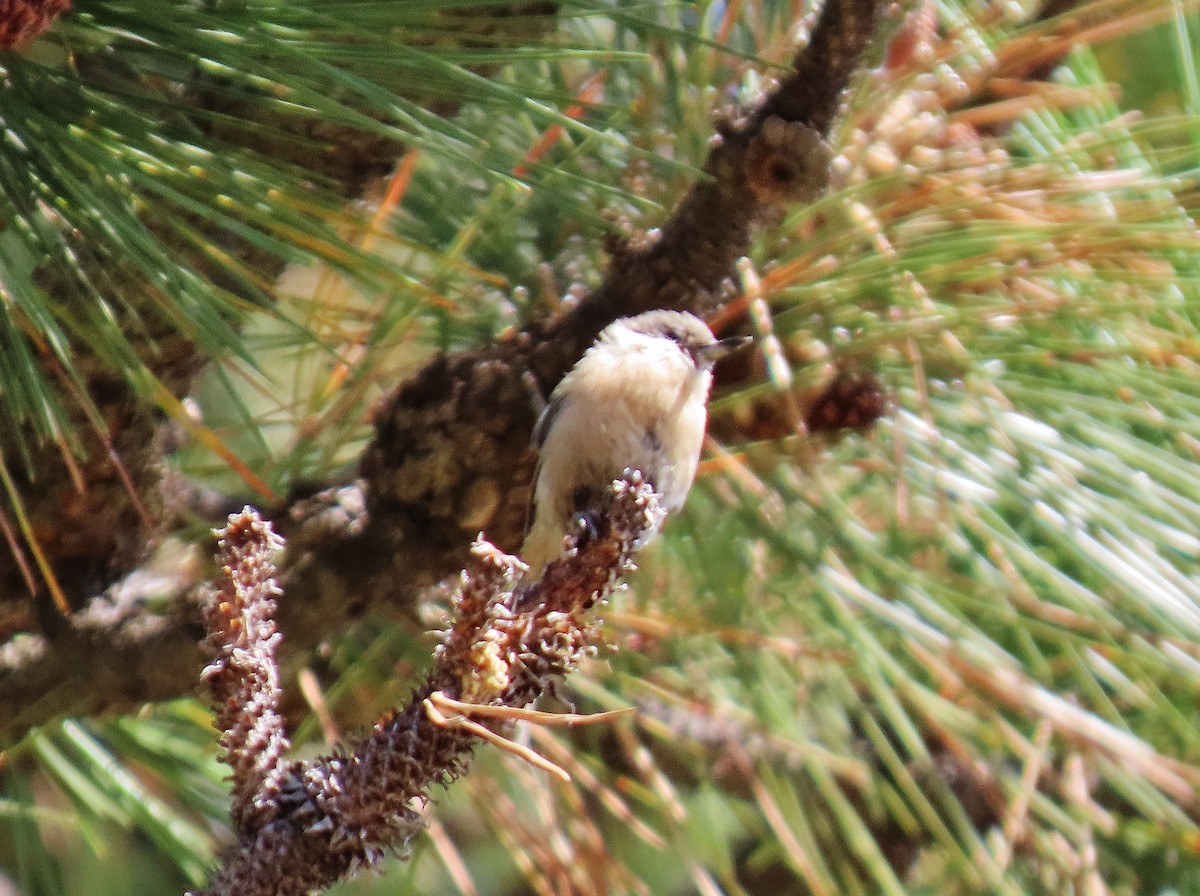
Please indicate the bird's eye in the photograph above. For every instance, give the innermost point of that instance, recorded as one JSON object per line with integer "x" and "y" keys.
{"x": 674, "y": 335}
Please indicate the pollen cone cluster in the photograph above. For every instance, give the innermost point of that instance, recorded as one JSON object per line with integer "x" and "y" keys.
{"x": 304, "y": 824}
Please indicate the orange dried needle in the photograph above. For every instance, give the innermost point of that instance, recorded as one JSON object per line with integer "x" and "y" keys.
{"x": 396, "y": 191}
{"x": 588, "y": 93}
{"x": 39, "y": 558}
{"x": 174, "y": 409}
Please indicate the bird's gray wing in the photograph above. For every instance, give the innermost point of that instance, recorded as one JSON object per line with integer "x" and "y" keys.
{"x": 545, "y": 420}
{"x": 540, "y": 430}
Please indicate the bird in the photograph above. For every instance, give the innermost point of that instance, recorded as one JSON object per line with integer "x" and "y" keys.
{"x": 636, "y": 400}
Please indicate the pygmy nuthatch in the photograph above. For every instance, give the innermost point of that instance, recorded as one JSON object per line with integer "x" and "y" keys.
{"x": 637, "y": 399}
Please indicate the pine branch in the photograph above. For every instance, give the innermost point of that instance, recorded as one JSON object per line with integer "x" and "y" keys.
{"x": 448, "y": 441}
{"x": 126, "y": 306}
{"x": 303, "y": 825}
{"x": 451, "y": 454}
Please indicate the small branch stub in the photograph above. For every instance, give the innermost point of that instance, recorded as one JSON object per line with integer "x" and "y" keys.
{"x": 787, "y": 161}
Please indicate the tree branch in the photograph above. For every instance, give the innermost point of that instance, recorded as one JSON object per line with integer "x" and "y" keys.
{"x": 302, "y": 825}
{"x": 451, "y": 453}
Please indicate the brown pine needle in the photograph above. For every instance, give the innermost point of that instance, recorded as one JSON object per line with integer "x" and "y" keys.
{"x": 314, "y": 696}
{"x": 98, "y": 427}
{"x": 516, "y": 714}
{"x": 608, "y": 797}
{"x": 529, "y": 853}
{"x": 451, "y": 858}
{"x": 17, "y": 553}
{"x": 173, "y": 408}
{"x": 1015, "y": 825}
{"x": 496, "y": 740}
{"x": 653, "y": 776}
{"x": 778, "y": 823}
{"x": 35, "y": 548}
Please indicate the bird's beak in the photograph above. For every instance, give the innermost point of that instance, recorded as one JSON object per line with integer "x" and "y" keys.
{"x": 711, "y": 354}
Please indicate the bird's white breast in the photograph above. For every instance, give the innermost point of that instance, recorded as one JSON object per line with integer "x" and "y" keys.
{"x": 642, "y": 407}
